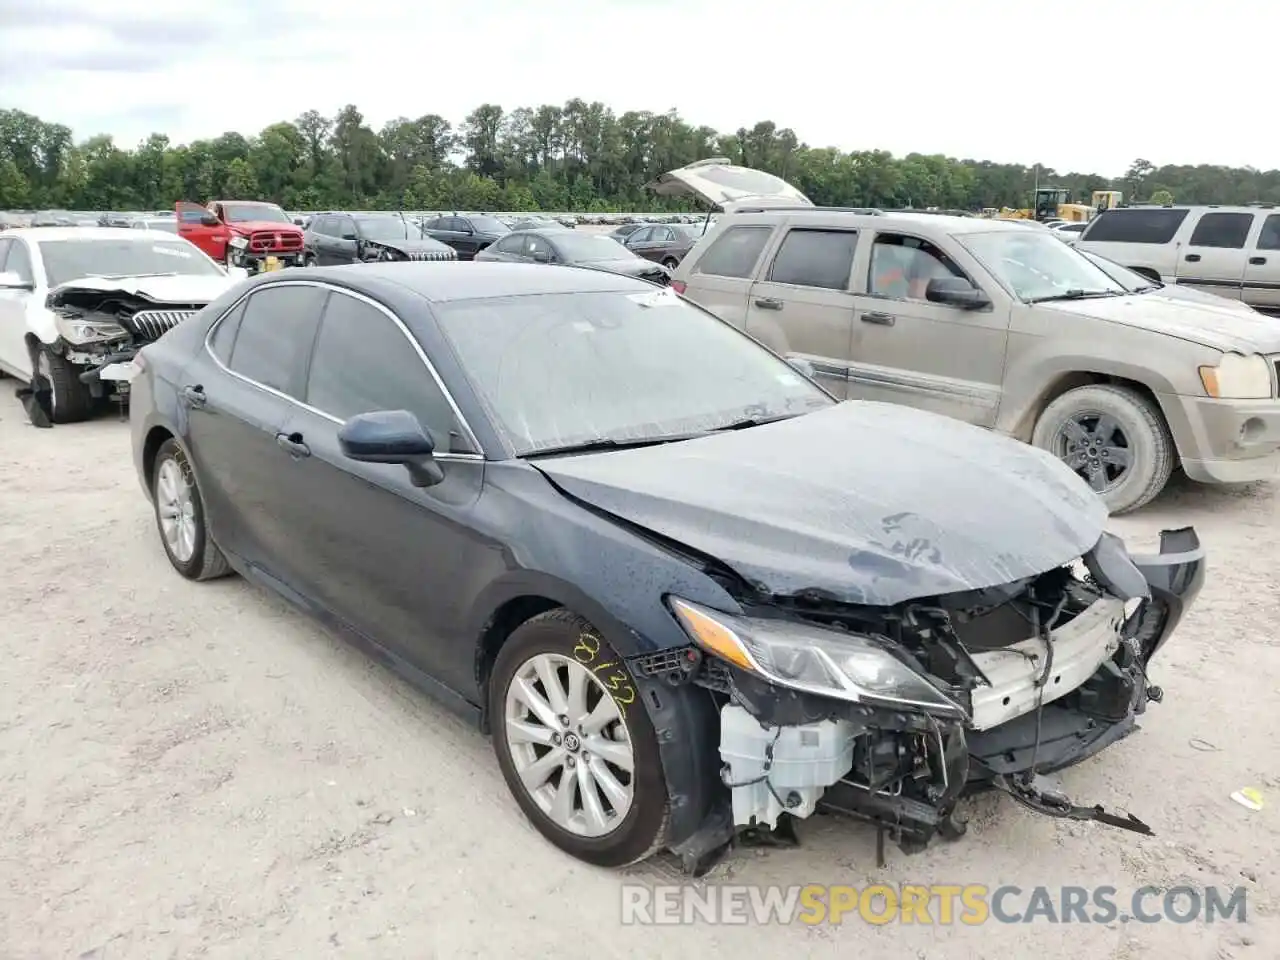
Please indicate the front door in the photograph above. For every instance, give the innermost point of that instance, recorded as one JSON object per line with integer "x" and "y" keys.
{"x": 910, "y": 351}
{"x": 14, "y": 303}
{"x": 801, "y": 306}
{"x": 1213, "y": 260}
{"x": 1262, "y": 266}
{"x": 197, "y": 224}
{"x": 397, "y": 562}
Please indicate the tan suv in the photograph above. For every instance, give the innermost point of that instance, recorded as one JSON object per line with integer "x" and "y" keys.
{"x": 1000, "y": 326}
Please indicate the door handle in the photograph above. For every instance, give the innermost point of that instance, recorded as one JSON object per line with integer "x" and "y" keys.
{"x": 292, "y": 444}
{"x": 883, "y": 319}
{"x": 1257, "y": 261}
{"x": 1192, "y": 258}
{"x": 195, "y": 396}
{"x": 768, "y": 303}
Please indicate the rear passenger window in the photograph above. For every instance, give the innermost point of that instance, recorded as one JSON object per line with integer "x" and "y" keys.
{"x": 1270, "y": 236}
{"x": 275, "y": 336}
{"x": 1224, "y": 230}
{"x": 1135, "y": 226}
{"x": 815, "y": 258}
{"x": 734, "y": 253}
{"x": 363, "y": 363}
{"x": 223, "y": 338}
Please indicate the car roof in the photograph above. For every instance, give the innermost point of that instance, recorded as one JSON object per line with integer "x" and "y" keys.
{"x": 447, "y": 281}
{"x": 49, "y": 234}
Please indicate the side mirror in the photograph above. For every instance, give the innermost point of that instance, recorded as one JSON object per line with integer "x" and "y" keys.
{"x": 802, "y": 367}
{"x": 209, "y": 220}
{"x": 11, "y": 281}
{"x": 349, "y": 236}
{"x": 956, "y": 292}
{"x": 238, "y": 273}
{"x": 541, "y": 256}
{"x": 392, "y": 436}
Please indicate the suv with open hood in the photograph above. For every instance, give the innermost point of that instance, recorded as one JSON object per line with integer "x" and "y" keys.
{"x": 991, "y": 323}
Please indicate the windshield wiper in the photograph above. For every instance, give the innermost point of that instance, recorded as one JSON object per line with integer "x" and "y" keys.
{"x": 1076, "y": 295}
{"x": 129, "y": 276}
{"x": 746, "y": 422}
{"x": 607, "y": 443}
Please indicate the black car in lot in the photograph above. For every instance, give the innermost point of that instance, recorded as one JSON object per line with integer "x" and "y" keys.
{"x": 559, "y": 245}
{"x": 337, "y": 238}
{"x": 687, "y": 591}
{"x": 468, "y": 234}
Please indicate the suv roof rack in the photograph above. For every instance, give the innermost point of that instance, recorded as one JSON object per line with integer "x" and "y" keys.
{"x": 865, "y": 211}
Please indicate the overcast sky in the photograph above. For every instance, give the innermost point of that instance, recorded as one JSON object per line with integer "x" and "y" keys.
{"x": 1080, "y": 85}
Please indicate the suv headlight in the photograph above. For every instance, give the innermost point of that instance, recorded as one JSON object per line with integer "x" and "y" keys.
{"x": 238, "y": 243}
{"x": 88, "y": 331}
{"x": 1238, "y": 377}
{"x": 806, "y": 657}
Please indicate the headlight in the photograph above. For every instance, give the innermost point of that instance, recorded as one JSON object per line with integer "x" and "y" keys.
{"x": 239, "y": 243}
{"x": 806, "y": 657}
{"x": 1238, "y": 377}
{"x": 88, "y": 331}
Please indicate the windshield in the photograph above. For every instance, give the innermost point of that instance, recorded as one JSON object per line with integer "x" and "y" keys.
{"x": 245, "y": 212}
{"x": 567, "y": 368}
{"x": 1129, "y": 279}
{"x": 388, "y": 228}
{"x": 66, "y": 260}
{"x": 1034, "y": 265}
{"x": 489, "y": 225}
{"x": 586, "y": 247}
{"x": 168, "y": 226}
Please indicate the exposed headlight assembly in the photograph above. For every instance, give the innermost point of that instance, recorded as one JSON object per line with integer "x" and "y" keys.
{"x": 807, "y": 657}
{"x": 88, "y": 331}
{"x": 239, "y": 243}
{"x": 1238, "y": 377}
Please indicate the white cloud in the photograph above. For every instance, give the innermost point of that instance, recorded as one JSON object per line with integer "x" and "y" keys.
{"x": 1081, "y": 85}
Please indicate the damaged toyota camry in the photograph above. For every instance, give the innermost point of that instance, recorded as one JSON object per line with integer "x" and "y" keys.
{"x": 693, "y": 598}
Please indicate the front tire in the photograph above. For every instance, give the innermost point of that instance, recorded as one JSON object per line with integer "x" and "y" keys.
{"x": 69, "y": 400}
{"x": 180, "y": 518}
{"x": 1114, "y": 438}
{"x": 575, "y": 743}
{"x": 671, "y": 263}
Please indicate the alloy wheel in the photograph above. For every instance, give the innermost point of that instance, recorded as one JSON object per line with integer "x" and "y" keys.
{"x": 176, "y": 506}
{"x": 1096, "y": 447}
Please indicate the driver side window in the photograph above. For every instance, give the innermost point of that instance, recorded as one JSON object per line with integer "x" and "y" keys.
{"x": 19, "y": 262}
{"x": 902, "y": 266}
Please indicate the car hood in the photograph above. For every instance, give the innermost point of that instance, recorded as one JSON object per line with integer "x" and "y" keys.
{"x": 272, "y": 226}
{"x": 1224, "y": 327}
{"x": 866, "y": 503}
{"x": 638, "y": 266}
{"x": 718, "y": 182}
{"x": 1185, "y": 294}
{"x": 180, "y": 289}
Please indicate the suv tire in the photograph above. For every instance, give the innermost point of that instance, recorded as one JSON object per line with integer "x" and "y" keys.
{"x": 70, "y": 400}
{"x": 1068, "y": 428}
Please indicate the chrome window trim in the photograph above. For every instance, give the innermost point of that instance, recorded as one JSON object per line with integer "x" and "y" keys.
{"x": 331, "y": 288}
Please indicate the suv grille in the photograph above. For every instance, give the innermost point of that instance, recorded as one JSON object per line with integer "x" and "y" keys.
{"x": 150, "y": 324}
{"x": 270, "y": 242}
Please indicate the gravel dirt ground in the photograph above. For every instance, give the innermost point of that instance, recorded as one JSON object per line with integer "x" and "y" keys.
{"x": 196, "y": 770}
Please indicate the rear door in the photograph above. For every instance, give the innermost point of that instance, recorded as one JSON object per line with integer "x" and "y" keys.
{"x": 1213, "y": 259}
{"x": 14, "y": 304}
{"x": 927, "y": 355}
{"x": 238, "y": 395}
{"x": 717, "y": 276}
{"x": 342, "y": 244}
{"x": 211, "y": 238}
{"x": 801, "y": 306}
{"x": 1262, "y": 268}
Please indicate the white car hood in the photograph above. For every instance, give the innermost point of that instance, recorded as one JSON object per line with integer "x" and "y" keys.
{"x": 1225, "y": 327}
{"x": 176, "y": 289}
{"x": 719, "y": 183}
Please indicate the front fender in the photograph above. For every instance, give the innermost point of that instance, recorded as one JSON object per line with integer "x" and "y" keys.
{"x": 42, "y": 324}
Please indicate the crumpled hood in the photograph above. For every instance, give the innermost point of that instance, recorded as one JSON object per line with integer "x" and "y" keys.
{"x": 272, "y": 226}
{"x": 869, "y": 503}
{"x": 179, "y": 289}
{"x": 627, "y": 268}
{"x": 1218, "y": 327}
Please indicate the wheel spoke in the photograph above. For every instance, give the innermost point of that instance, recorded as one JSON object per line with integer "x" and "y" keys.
{"x": 562, "y": 806}
{"x": 1074, "y": 432}
{"x": 550, "y": 678}
{"x": 522, "y": 731}
{"x": 537, "y": 773}
{"x": 605, "y": 713}
{"x": 524, "y": 691}
{"x": 618, "y": 796}
{"x": 1106, "y": 428}
{"x": 1097, "y": 478}
{"x": 1075, "y": 460}
{"x": 1118, "y": 456}
{"x": 592, "y": 808}
{"x": 618, "y": 754}
{"x": 576, "y": 705}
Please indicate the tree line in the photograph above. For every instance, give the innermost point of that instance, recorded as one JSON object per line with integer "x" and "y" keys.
{"x": 576, "y": 157}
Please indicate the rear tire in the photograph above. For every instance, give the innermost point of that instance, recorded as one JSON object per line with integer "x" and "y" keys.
{"x": 1150, "y": 449}
{"x": 180, "y": 518}
{"x": 70, "y": 400}
{"x": 671, "y": 263}
{"x": 603, "y": 814}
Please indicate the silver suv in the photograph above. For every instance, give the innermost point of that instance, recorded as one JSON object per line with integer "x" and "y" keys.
{"x": 1001, "y": 326}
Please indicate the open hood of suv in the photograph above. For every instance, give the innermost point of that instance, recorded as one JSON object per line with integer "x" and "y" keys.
{"x": 719, "y": 183}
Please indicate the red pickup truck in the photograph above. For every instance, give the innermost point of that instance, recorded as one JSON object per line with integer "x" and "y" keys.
{"x": 242, "y": 233}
